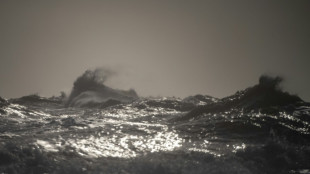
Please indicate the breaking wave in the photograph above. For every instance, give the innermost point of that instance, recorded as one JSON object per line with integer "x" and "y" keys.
{"x": 266, "y": 96}
{"x": 89, "y": 90}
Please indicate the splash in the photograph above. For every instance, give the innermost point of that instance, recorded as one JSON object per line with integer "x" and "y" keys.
{"x": 270, "y": 82}
{"x": 89, "y": 90}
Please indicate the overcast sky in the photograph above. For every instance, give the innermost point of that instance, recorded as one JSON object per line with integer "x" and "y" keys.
{"x": 159, "y": 47}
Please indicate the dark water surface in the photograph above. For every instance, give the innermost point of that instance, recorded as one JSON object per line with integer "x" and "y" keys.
{"x": 153, "y": 136}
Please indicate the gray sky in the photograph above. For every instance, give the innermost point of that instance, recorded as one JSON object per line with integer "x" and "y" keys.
{"x": 159, "y": 47}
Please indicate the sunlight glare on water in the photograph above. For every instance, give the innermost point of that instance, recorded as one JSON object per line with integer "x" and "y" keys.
{"x": 119, "y": 144}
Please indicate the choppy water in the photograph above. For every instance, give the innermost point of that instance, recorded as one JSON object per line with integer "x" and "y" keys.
{"x": 149, "y": 136}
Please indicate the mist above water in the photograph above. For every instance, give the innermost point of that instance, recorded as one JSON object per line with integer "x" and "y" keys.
{"x": 90, "y": 88}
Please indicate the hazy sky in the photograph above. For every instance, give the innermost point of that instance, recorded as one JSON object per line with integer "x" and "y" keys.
{"x": 158, "y": 47}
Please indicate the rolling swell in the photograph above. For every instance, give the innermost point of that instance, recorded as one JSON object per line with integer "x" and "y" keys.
{"x": 257, "y": 114}
{"x": 265, "y": 97}
{"x": 258, "y": 130}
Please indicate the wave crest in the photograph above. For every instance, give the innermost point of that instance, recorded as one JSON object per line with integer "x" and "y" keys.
{"x": 89, "y": 88}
